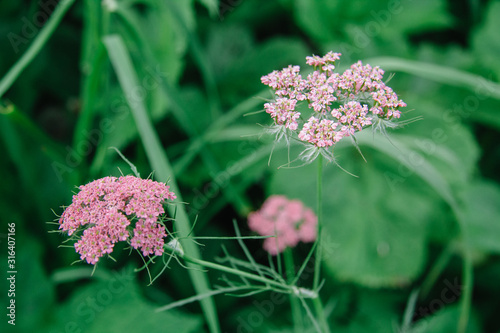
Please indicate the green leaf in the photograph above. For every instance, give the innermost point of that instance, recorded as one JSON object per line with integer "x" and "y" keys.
{"x": 370, "y": 311}
{"x": 115, "y": 304}
{"x": 365, "y": 20}
{"x": 444, "y": 321}
{"x": 485, "y": 42}
{"x": 482, "y": 209}
{"x": 419, "y": 16}
{"x": 33, "y": 305}
{"x": 374, "y": 236}
{"x": 441, "y": 74}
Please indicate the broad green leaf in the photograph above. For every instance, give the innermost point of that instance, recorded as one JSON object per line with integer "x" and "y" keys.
{"x": 115, "y": 304}
{"x": 374, "y": 311}
{"x": 375, "y": 235}
{"x": 417, "y": 16}
{"x": 328, "y": 20}
{"x": 32, "y": 305}
{"x": 482, "y": 211}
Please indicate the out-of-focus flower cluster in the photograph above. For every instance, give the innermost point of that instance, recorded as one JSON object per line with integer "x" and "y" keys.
{"x": 102, "y": 212}
{"x": 288, "y": 220}
{"x": 341, "y": 104}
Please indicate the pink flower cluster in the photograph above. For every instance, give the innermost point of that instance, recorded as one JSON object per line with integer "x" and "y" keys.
{"x": 341, "y": 104}
{"x": 283, "y": 112}
{"x": 104, "y": 210}
{"x": 289, "y": 220}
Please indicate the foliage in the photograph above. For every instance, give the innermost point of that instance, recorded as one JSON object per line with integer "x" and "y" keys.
{"x": 175, "y": 86}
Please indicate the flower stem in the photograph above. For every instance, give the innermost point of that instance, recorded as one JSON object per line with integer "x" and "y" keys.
{"x": 237, "y": 272}
{"x": 317, "y": 262}
{"x": 294, "y": 302}
{"x": 436, "y": 270}
{"x": 318, "y": 305}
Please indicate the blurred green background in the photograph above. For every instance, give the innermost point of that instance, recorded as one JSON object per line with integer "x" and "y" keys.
{"x": 423, "y": 215}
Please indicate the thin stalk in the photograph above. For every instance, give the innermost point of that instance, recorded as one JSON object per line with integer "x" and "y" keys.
{"x": 36, "y": 46}
{"x": 467, "y": 273}
{"x": 319, "y": 195}
{"x": 298, "y": 324}
{"x": 237, "y": 272}
{"x": 436, "y": 270}
{"x": 318, "y": 305}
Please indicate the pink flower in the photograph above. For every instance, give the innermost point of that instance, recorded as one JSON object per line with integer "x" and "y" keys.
{"x": 320, "y": 133}
{"x": 287, "y": 82}
{"x": 103, "y": 210}
{"x": 149, "y": 237}
{"x": 326, "y": 63}
{"x": 352, "y": 116}
{"x": 386, "y": 103}
{"x": 340, "y": 104}
{"x": 289, "y": 220}
{"x": 283, "y": 112}
{"x": 321, "y": 93}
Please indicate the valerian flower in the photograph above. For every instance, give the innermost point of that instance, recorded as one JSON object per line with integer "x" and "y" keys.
{"x": 110, "y": 209}
{"x": 339, "y": 104}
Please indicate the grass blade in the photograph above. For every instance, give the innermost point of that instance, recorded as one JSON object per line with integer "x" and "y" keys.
{"x": 36, "y": 46}
{"x": 437, "y": 73}
{"x": 127, "y": 77}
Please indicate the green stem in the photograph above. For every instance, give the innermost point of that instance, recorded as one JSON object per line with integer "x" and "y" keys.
{"x": 468, "y": 276}
{"x": 319, "y": 195}
{"x": 318, "y": 305}
{"x": 235, "y": 271}
{"x": 436, "y": 270}
{"x": 467, "y": 273}
{"x": 294, "y": 302}
{"x": 36, "y": 46}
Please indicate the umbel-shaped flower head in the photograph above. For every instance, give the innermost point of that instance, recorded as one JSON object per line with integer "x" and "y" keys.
{"x": 110, "y": 209}
{"x": 288, "y": 220}
{"x": 339, "y": 104}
